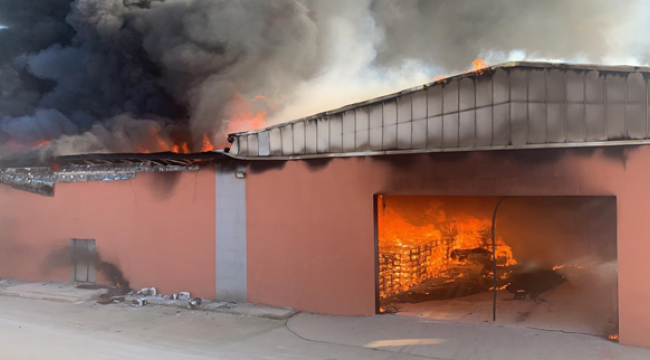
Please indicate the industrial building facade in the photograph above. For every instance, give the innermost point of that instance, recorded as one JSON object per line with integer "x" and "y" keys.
{"x": 289, "y": 217}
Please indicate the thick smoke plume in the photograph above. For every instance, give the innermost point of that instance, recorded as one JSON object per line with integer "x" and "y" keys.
{"x": 139, "y": 75}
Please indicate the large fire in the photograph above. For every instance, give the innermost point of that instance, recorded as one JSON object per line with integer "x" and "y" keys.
{"x": 249, "y": 114}
{"x": 161, "y": 142}
{"x": 245, "y": 114}
{"x": 433, "y": 246}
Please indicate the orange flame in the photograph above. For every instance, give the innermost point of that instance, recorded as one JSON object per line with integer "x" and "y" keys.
{"x": 42, "y": 143}
{"x": 424, "y": 245}
{"x": 558, "y": 267}
{"x": 161, "y": 144}
{"x": 158, "y": 142}
{"x": 479, "y": 66}
{"x": 18, "y": 145}
{"x": 207, "y": 144}
{"x": 243, "y": 117}
{"x": 181, "y": 148}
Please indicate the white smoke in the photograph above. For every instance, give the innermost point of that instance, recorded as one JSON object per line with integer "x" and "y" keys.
{"x": 377, "y": 47}
{"x": 351, "y": 37}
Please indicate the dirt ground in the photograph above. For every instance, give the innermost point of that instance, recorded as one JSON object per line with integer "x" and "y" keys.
{"x": 558, "y": 309}
{"x": 32, "y": 329}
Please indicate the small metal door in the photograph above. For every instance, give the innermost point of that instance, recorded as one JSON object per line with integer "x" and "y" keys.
{"x": 82, "y": 264}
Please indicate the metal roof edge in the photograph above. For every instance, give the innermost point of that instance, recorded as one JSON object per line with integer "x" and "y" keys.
{"x": 592, "y": 144}
{"x": 486, "y": 70}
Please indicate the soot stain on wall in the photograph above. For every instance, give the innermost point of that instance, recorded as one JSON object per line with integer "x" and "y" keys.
{"x": 61, "y": 257}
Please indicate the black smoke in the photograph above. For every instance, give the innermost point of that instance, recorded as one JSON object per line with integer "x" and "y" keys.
{"x": 108, "y": 75}
{"x": 63, "y": 257}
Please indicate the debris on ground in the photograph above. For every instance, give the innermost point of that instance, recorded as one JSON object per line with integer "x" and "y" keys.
{"x": 139, "y": 302}
{"x": 145, "y": 296}
{"x": 194, "y": 303}
{"x": 112, "y": 300}
{"x": 389, "y": 309}
{"x": 147, "y": 291}
{"x": 533, "y": 283}
{"x": 113, "y": 295}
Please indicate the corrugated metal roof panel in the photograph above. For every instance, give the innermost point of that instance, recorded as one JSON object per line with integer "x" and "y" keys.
{"x": 514, "y": 105}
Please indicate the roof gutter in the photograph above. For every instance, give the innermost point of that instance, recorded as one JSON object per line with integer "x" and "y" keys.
{"x": 593, "y": 144}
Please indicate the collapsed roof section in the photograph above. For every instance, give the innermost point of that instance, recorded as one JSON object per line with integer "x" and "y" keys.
{"x": 39, "y": 175}
{"x": 521, "y": 105}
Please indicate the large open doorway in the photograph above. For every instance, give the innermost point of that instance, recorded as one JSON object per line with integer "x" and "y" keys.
{"x": 555, "y": 260}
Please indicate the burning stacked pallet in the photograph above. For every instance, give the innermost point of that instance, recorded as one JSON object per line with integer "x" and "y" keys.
{"x": 401, "y": 267}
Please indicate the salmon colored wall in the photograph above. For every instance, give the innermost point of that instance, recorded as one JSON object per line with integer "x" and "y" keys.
{"x": 310, "y": 224}
{"x": 159, "y": 228}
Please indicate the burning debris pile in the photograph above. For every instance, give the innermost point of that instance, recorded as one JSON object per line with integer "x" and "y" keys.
{"x": 430, "y": 257}
{"x": 438, "y": 257}
{"x": 406, "y": 266}
{"x": 425, "y": 256}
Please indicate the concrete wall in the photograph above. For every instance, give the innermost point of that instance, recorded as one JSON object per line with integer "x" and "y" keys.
{"x": 310, "y": 224}
{"x": 231, "y": 235}
{"x": 158, "y": 228}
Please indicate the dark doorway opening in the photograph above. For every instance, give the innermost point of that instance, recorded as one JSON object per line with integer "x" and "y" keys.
{"x": 82, "y": 265}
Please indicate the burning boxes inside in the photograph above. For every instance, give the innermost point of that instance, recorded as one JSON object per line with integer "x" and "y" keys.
{"x": 401, "y": 267}
{"x": 434, "y": 257}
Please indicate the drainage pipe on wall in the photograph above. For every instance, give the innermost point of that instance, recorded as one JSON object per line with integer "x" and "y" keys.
{"x": 494, "y": 260}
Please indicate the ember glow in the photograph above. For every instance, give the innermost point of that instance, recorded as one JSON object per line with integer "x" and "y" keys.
{"x": 559, "y": 267}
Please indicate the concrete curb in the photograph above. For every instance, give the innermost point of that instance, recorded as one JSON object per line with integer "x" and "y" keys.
{"x": 48, "y": 291}
{"x": 50, "y": 298}
{"x": 273, "y": 313}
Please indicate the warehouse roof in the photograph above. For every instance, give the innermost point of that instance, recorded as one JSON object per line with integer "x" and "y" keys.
{"x": 38, "y": 175}
{"x": 35, "y": 159}
{"x": 519, "y": 105}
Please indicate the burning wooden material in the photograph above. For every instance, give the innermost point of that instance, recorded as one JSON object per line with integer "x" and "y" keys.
{"x": 430, "y": 257}
{"x": 401, "y": 267}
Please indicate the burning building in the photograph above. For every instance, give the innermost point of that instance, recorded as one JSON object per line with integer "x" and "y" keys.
{"x": 381, "y": 206}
